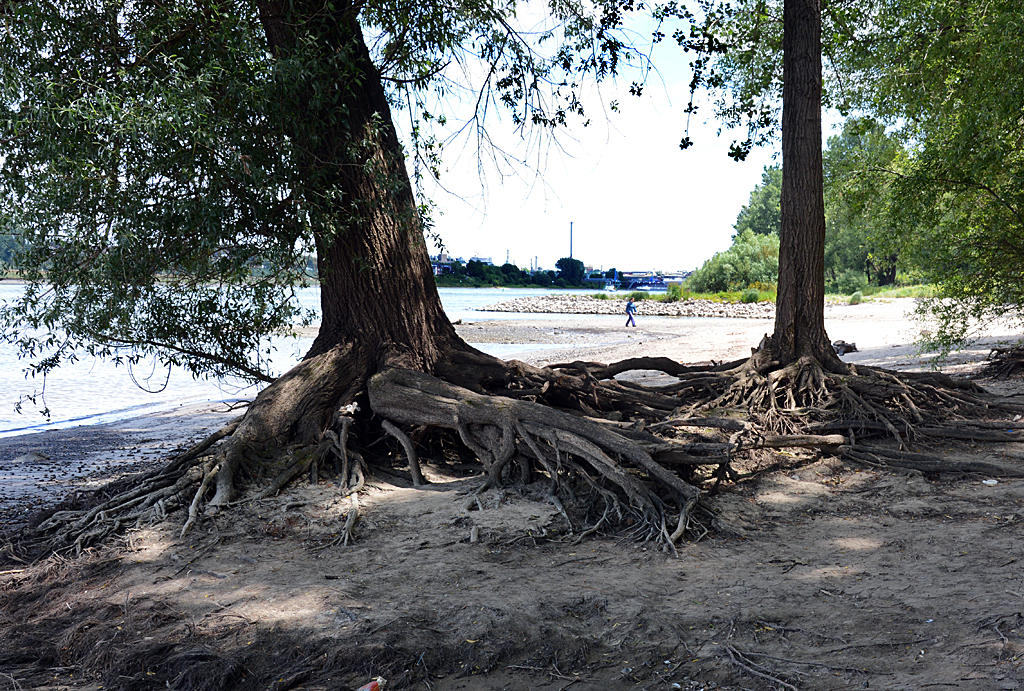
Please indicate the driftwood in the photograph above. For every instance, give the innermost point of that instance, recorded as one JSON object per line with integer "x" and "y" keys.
{"x": 1004, "y": 362}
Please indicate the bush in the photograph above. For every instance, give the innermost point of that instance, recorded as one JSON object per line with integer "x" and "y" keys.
{"x": 768, "y": 291}
{"x": 600, "y": 296}
{"x": 751, "y": 259}
{"x": 676, "y": 293}
{"x": 638, "y": 295}
{"x": 856, "y": 298}
{"x": 852, "y": 281}
{"x": 750, "y": 295}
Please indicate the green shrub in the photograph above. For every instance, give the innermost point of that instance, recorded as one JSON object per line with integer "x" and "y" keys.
{"x": 638, "y": 295}
{"x": 768, "y": 291}
{"x": 856, "y": 298}
{"x": 751, "y": 259}
{"x": 675, "y": 293}
{"x": 750, "y": 295}
{"x": 600, "y": 296}
{"x": 852, "y": 281}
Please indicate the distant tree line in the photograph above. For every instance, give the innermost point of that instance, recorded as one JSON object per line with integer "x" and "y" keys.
{"x": 857, "y": 240}
{"x": 570, "y": 273}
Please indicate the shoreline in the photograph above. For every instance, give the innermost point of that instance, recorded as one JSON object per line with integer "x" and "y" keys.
{"x": 588, "y": 304}
{"x": 40, "y": 468}
{"x": 884, "y": 331}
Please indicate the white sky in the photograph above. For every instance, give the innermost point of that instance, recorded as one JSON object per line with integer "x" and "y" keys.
{"x": 634, "y": 199}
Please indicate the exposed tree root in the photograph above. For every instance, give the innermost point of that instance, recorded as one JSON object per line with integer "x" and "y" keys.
{"x": 410, "y": 451}
{"x": 498, "y": 429}
{"x": 351, "y": 518}
{"x": 925, "y": 463}
{"x": 1005, "y": 362}
{"x": 631, "y": 453}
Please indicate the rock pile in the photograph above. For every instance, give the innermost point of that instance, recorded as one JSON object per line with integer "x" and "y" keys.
{"x": 586, "y": 304}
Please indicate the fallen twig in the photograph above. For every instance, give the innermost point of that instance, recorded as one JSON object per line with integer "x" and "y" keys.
{"x": 734, "y": 654}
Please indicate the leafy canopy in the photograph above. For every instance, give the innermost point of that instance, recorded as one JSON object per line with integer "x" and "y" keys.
{"x": 951, "y": 80}
{"x": 857, "y": 188}
{"x": 571, "y": 270}
{"x": 762, "y": 213}
{"x": 858, "y": 164}
{"x": 153, "y": 154}
{"x": 738, "y": 48}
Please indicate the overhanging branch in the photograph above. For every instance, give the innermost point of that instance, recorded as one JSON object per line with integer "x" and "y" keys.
{"x": 116, "y": 342}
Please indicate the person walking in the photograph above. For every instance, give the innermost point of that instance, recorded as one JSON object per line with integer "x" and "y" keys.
{"x": 630, "y": 311}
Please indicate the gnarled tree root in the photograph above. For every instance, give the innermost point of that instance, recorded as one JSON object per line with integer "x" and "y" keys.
{"x": 621, "y": 441}
{"x": 881, "y": 457}
{"x": 497, "y": 429}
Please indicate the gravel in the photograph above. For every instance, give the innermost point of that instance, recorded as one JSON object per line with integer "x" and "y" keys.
{"x": 586, "y": 304}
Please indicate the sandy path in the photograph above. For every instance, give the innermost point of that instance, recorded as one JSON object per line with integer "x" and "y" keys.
{"x": 884, "y": 331}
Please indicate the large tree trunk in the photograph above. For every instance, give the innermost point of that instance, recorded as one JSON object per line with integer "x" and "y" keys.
{"x": 377, "y": 285}
{"x": 799, "y": 316}
{"x": 380, "y": 305}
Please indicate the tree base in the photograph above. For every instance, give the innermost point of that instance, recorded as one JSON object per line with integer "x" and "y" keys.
{"x": 641, "y": 457}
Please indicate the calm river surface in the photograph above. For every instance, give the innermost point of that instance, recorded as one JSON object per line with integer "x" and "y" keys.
{"x": 94, "y": 391}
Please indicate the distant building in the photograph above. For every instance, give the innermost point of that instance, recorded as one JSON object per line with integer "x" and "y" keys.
{"x": 442, "y": 263}
{"x": 676, "y": 277}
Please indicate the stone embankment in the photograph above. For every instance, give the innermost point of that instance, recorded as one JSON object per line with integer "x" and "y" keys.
{"x": 586, "y": 304}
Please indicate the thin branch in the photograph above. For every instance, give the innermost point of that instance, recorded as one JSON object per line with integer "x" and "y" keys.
{"x": 421, "y": 79}
{"x": 211, "y": 357}
{"x": 963, "y": 183}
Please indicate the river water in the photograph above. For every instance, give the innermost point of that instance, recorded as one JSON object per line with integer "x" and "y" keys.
{"x": 94, "y": 391}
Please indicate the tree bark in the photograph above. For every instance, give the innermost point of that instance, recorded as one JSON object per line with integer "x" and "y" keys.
{"x": 377, "y": 285}
{"x": 800, "y": 306}
{"x": 380, "y": 305}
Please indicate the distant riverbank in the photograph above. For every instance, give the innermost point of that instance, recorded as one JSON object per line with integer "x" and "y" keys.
{"x": 588, "y": 304}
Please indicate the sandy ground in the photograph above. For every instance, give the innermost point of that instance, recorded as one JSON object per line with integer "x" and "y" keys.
{"x": 845, "y": 577}
{"x": 40, "y": 469}
{"x": 883, "y": 330}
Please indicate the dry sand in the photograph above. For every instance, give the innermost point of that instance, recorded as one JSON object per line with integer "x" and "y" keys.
{"x": 846, "y": 578}
{"x": 884, "y": 331}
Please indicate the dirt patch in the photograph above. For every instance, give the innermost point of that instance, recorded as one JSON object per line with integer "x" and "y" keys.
{"x": 845, "y": 578}
{"x": 38, "y": 470}
{"x": 840, "y": 577}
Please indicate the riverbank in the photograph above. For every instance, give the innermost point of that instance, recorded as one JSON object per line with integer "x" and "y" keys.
{"x": 40, "y": 469}
{"x": 847, "y": 576}
{"x": 37, "y": 469}
{"x": 884, "y": 330}
{"x": 588, "y": 304}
